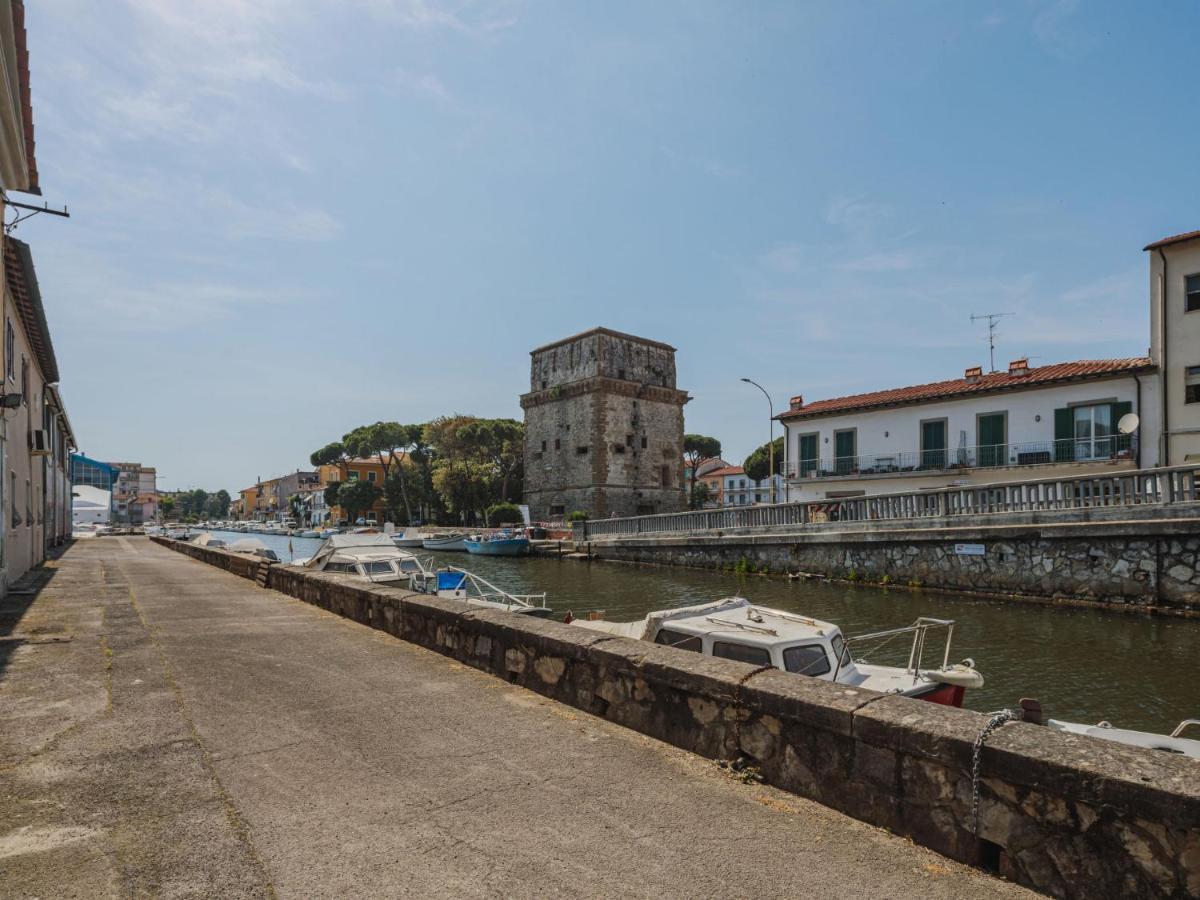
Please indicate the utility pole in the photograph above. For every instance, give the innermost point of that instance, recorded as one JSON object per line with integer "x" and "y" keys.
{"x": 771, "y": 432}
{"x": 992, "y": 319}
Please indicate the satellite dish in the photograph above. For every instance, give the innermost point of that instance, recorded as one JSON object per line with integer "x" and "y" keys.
{"x": 1129, "y": 423}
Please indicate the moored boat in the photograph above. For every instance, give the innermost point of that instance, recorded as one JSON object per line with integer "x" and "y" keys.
{"x": 409, "y": 537}
{"x": 1170, "y": 743}
{"x": 736, "y": 629}
{"x": 459, "y": 584}
{"x": 453, "y": 541}
{"x": 501, "y": 543}
{"x": 372, "y": 557}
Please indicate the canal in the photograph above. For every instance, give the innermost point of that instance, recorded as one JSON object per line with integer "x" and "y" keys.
{"x": 1084, "y": 665}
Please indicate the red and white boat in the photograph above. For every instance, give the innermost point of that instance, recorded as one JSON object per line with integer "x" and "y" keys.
{"x": 734, "y": 628}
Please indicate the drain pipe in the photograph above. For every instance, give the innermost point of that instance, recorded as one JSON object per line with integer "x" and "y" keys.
{"x": 1165, "y": 448}
{"x": 1137, "y": 455}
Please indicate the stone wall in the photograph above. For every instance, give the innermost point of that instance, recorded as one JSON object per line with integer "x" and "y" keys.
{"x": 1150, "y": 564}
{"x": 1067, "y": 815}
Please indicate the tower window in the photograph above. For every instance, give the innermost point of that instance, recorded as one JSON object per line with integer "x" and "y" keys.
{"x": 1191, "y": 291}
{"x": 643, "y": 442}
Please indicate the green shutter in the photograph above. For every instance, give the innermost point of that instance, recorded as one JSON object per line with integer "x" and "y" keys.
{"x": 1064, "y": 435}
{"x": 1121, "y": 443}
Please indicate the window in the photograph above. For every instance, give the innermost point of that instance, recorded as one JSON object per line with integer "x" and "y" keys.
{"x": 409, "y": 566}
{"x": 666, "y": 476}
{"x": 742, "y": 653}
{"x": 1093, "y": 431}
{"x": 378, "y": 567}
{"x": 581, "y": 450}
{"x": 371, "y": 477}
{"x": 1191, "y": 389}
{"x": 24, "y": 380}
{"x": 370, "y": 517}
{"x": 543, "y": 446}
{"x": 1191, "y": 291}
{"x": 808, "y": 659}
{"x": 677, "y": 639}
{"x": 10, "y": 350}
{"x": 808, "y": 453}
{"x": 557, "y": 444}
{"x": 643, "y": 442}
{"x": 845, "y": 451}
{"x": 933, "y": 444}
{"x": 741, "y": 482}
{"x": 557, "y": 509}
{"x": 353, "y": 476}
{"x": 629, "y": 440}
{"x": 991, "y": 430}
{"x": 619, "y": 448}
{"x": 338, "y": 567}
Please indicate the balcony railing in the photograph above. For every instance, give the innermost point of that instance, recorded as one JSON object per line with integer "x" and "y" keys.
{"x": 1122, "y": 487}
{"x": 1037, "y": 453}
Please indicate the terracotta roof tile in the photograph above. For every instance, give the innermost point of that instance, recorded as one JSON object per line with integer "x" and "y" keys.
{"x": 728, "y": 470}
{"x": 997, "y": 381}
{"x": 1174, "y": 239}
{"x": 23, "y": 287}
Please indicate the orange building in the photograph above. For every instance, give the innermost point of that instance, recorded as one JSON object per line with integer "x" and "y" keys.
{"x": 369, "y": 470}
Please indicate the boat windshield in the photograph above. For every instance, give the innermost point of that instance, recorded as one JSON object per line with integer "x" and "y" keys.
{"x": 841, "y": 651}
{"x": 377, "y": 567}
{"x": 806, "y": 659}
{"x": 409, "y": 565}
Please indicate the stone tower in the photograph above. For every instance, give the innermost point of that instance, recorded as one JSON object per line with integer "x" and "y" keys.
{"x": 603, "y": 427}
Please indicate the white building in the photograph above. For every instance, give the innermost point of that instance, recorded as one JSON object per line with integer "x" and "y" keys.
{"x": 1175, "y": 344}
{"x": 738, "y": 489}
{"x": 92, "y": 506}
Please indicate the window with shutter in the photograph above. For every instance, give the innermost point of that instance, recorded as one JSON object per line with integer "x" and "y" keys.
{"x": 1191, "y": 290}
{"x": 808, "y": 453}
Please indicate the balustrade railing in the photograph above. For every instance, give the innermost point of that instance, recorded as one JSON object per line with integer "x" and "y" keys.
{"x": 1177, "y": 484}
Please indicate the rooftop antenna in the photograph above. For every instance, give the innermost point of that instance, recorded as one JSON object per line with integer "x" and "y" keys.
{"x": 992, "y": 318}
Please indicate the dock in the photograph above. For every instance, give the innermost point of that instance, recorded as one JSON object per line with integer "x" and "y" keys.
{"x": 170, "y": 728}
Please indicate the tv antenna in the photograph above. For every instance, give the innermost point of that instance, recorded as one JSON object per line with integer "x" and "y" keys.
{"x": 992, "y": 319}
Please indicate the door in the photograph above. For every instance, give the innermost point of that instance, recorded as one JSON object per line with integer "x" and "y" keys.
{"x": 933, "y": 444}
{"x": 844, "y": 451}
{"x": 992, "y": 439}
{"x": 808, "y": 454}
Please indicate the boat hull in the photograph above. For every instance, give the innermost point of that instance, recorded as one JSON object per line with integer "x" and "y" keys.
{"x": 445, "y": 544}
{"x": 511, "y": 547}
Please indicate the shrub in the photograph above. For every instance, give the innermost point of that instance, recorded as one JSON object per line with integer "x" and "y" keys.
{"x": 577, "y": 515}
{"x": 504, "y": 514}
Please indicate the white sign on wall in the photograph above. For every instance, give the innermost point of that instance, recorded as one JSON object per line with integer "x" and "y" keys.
{"x": 970, "y": 549}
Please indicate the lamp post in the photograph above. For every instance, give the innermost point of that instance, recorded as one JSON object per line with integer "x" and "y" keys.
{"x": 771, "y": 432}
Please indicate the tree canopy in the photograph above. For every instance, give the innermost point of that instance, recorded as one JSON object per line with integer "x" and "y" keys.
{"x": 696, "y": 449}
{"x": 757, "y": 464}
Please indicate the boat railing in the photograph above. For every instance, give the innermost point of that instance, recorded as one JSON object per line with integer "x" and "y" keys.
{"x": 1183, "y": 726}
{"x": 919, "y": 630}
{"x": 485, "y": 590}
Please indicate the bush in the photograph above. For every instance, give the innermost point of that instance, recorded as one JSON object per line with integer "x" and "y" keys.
{"x": 577, "y": 515}
{"x": 504, "y": 514}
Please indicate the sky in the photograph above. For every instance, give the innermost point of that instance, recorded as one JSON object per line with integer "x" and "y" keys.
{"x": 293, "y": 217}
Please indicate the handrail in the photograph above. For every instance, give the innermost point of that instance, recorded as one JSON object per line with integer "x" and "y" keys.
{"x": 1127, "y": 487}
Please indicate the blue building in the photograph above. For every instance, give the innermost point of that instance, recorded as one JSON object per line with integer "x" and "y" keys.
{"x": 92, "y": 472}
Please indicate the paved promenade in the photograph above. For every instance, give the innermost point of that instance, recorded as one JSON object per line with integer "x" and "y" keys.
{"x": 170, "y": 729}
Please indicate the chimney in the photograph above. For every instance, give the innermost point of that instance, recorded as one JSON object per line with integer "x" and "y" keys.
{"x": 973, "y": 374}
{"x": 796, "y": 402}
{"x": 1019, "y": 366}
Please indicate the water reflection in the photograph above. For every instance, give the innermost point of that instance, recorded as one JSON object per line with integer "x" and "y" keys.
{"x": 1084, "y": 665}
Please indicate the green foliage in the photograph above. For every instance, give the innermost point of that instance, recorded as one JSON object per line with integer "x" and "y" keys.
{"x": 504, "y": 514}
{"x": 577, "y": 515}
{"x": 701, "y": 493}
{"x": 357, "y": 497}
{"x": 331, "y": 493}
{"x": 757, "y": 464}
{"x": 166, "y": 506}
{"x": 217, "y": 505}
{"x": 328, "y": 455}
{"x": 696, "y": 449}
{"x": 742, "y": 566}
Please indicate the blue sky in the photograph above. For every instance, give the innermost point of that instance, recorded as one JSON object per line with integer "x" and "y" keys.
{"x": 291, "y": 217}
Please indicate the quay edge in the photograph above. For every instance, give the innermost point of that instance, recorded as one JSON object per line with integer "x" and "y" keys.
{"x": 1064, "y": 814}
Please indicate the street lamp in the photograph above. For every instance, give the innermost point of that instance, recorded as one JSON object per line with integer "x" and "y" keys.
{"x": 771, "y": 432}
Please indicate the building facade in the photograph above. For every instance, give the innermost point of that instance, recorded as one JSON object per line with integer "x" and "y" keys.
{"x": 135, "y": 494}
{"x": 370, "y": 470}
{"x": 1051, "y": 421}
{"x": 735, "y": 488}
{"x": 603, "y": 427}
{"x": 1175, "y": 344}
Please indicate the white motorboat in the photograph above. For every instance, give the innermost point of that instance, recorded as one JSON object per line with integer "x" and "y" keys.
{"x": 454, "y": 583}
{"x": 206, "y": 539}
{"x": 736, "y": 629}
{"x": 370, "y": 556}
{"x": 1170, "y": 743}
{"x": 455, "y": 540}
{"x": 409, "y": 537}
{"x": 309, "y": 533}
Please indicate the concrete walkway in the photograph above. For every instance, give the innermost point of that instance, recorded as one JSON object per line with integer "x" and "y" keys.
{"x": 170, "y": 729}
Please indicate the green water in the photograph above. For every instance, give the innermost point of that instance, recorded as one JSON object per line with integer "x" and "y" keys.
{"x": 1084, "y": 665}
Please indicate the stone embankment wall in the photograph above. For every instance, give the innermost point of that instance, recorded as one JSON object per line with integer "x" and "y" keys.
{"x": 1143, "y": 564}
{"x": 1068, "y": 815}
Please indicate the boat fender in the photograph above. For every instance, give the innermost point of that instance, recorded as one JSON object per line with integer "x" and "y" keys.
{"x": 568, "y": 618}
{"x": 960, "y": 674}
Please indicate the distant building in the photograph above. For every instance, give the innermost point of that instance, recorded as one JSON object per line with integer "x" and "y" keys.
{"x": 92, "y": 505}
{"x": 369, "y": 470}
{"x": 603, "y": 427}
{"x": 1175, "y": 346}
{"x": 736, "y": 488}
{"x": 135, "y": 494}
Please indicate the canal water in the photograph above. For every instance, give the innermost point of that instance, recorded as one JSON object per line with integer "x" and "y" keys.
{"x": 1084, "y": 665}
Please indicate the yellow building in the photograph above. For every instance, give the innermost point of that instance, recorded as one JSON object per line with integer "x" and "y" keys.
{"x": 369, "y": 470}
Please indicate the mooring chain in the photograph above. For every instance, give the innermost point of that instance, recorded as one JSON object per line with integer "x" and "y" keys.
{"x": 997, "y": 719}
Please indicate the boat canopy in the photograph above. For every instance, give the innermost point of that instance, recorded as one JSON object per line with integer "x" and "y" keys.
{"x": 354, "y": 547}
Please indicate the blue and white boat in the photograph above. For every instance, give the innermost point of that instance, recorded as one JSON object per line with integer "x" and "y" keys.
{"x": 502, "y": 543}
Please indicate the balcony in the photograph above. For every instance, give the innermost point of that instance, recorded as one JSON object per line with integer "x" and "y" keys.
{"x": 1113, "y": 448}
